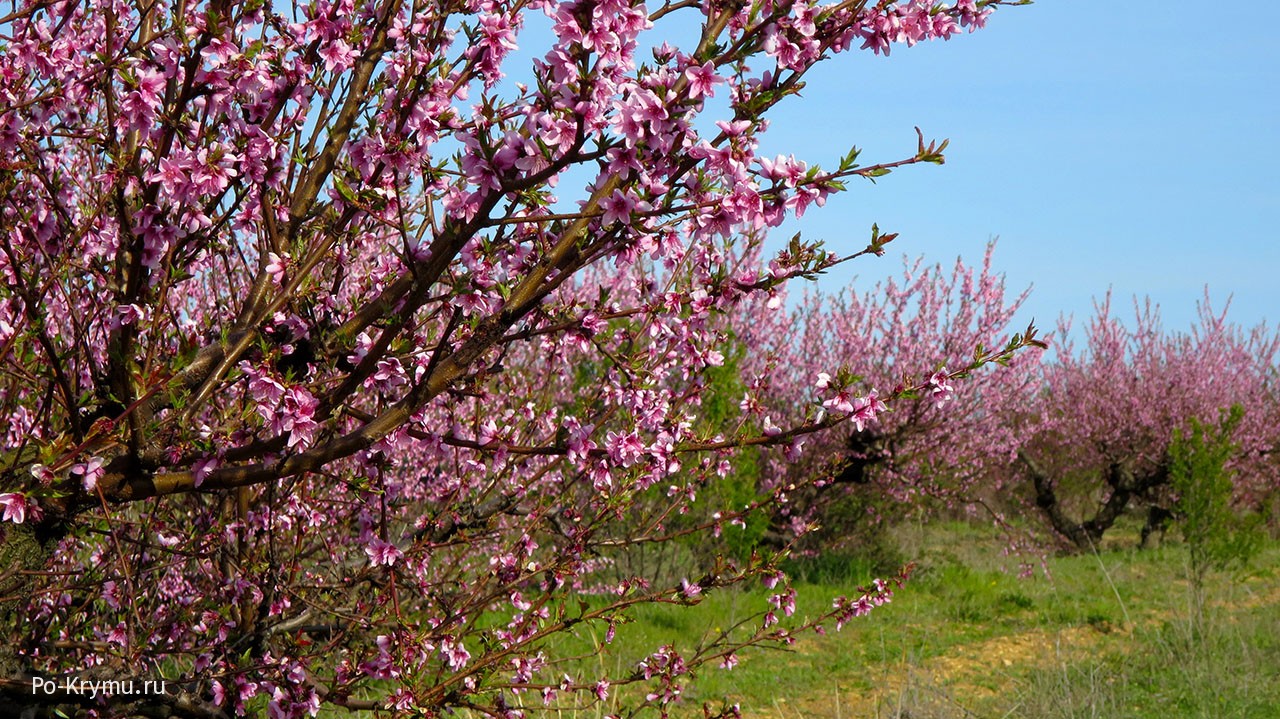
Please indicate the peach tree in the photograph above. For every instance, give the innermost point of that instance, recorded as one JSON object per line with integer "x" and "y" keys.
{"x": 947, "y": 446}
{"x": 336, "y": 362}
{"x": 1097, "y": 435}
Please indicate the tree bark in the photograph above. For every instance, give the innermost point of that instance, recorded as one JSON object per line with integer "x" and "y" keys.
{"x": 1125, "y": 486}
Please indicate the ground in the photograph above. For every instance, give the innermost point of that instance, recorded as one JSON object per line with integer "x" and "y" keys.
{"x": 1109, "y": 634}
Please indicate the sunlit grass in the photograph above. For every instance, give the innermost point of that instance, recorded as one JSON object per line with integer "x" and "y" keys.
{"x": 1105, "y": 634}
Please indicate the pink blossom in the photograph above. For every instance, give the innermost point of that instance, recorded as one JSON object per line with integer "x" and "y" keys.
{"x": 702, "y": 80}
{"x": 842, "y": 402}
{"x": 769, "y": 428}
{"x": 617, "y": 208}
{"x": 389, "y": 375}
{"x": 382, "y": 552}
{"x": 454, "y": 654}
{"x": 118, "y": 635}
{"x": 865, "y": 410}
{"x": 202, "y": 469}
{"x": 295, "y": 417}
{"x": 263, "y": 388}
{"x": 472, "y": 303}
{"x": 625, "y": 449}
{"x": 277, "y": 266}
{"x": 126, "y": 315}
{"x": 15, "y": 507}
{"x": 111, "y": 594}
{"x": 940, "y": 387}
{"x": 90, "y": 472}
{"x": 217, "y": 52}
{"x": 171, "y": 174}
{"x": 337, "y": 55}
{"x": 690, "y": 590}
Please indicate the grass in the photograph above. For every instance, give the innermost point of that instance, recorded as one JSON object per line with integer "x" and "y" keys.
{"x": 1227, "y": 671}
{"x": 1104, "y": 635}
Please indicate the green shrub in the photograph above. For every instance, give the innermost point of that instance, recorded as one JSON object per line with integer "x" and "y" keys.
{"x": 1217, "y": 535}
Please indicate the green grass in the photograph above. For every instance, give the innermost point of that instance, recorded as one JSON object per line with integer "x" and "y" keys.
{"x": 1227, "y": 671}
{"x": 1104, "y": 635}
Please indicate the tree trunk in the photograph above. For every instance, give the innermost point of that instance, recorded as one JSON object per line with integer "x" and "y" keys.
{"x": 1124, "y": 484}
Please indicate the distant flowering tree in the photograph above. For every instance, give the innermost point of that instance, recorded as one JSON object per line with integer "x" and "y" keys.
{"x": 1097, "y": 436}
{"x": 946, "y": 440}
{"x": 335, "y": 362}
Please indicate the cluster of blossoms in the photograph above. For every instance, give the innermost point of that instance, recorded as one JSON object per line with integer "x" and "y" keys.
{"x": 916, "y": 21}
{"x": 334, "y": 361}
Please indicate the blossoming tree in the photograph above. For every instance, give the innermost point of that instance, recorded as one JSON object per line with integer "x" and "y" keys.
{"x": 1096, "y": 437}
{"x": 334, "y": 362}
{"x": 949, "y": 442}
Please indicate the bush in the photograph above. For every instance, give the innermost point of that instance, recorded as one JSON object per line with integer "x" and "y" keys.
{"x": 1218, "y": 536}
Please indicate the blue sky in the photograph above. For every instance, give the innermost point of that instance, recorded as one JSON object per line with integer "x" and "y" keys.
{"x": 1122, "y": 145}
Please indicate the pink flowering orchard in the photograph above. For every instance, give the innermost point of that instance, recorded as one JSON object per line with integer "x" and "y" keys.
{"x": 1067, "y": 441}
{"x": 951, "y": 442}
{"x": 1096, "y": 437}
{"x": 343, "y": 357}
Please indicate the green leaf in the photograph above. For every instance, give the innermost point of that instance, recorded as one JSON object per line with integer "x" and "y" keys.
{"x": 345, "y": 191}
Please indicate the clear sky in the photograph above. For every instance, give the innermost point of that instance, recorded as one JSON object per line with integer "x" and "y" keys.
{"x": 1124, "y": 145}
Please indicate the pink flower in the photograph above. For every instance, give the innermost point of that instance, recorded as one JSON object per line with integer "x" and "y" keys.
{"x": 219, "y": 693}
{"x": 125, "y": 315}
{"x": 617, "y": 208}
{"x": 624, "y": 449}
{"x": 389, "y": 375}
{"x": 119, "y": 635}
{"x": 382, "y": 552}
{"x": 295, "y": 417}
{"x": 455, "y": 654}
{"x": 276, "y": 267}
{"x": 487, "y": 432}
{"x": 217, "y": 52}
{"x": 733, "y": 129}
{"x": 940, "y": 387}
{"x": 842, "y": 402}
{"x": 472, "y": 303}
{"x": 90, "y": 472}
{"x": 592, "y": 323}
{"x": 43, "y": 474}
{"x": 171, "y": 175}
{"x": 15, "y": 507}
{"x": 111, "y": 594}
{"x": 865, "y": 410}
{"x": 264, "y": 389}
{"x": 337, "y": 55}
{"x": 202, "y": 468}
{"x": 771, "y": 429}
{"x": 690, "y": 590}
{"x": 702, "y": 79}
